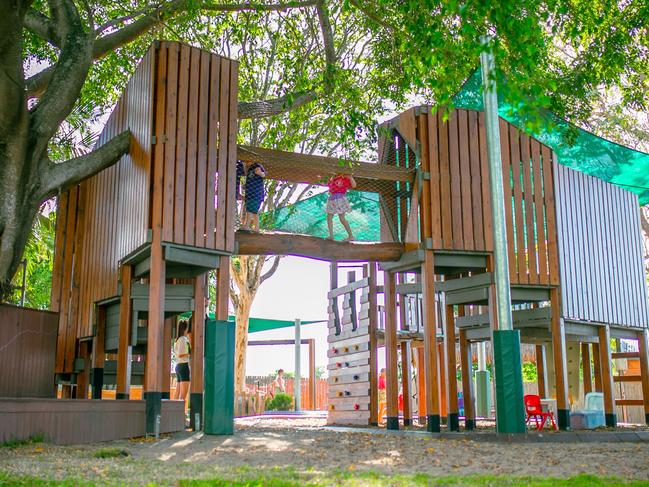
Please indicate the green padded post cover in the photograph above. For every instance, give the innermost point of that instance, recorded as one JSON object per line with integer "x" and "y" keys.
{"x": 219, "y": 378}
{"x": 510, "y": 409}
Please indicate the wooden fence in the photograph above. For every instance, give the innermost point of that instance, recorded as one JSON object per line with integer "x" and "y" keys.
{"x": 262, "y": 383}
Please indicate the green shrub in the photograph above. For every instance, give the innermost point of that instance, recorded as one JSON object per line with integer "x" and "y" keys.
{"x": 111, "y": 453}
{"x": 16, "y": 443}
{"x": 281, "y": 402}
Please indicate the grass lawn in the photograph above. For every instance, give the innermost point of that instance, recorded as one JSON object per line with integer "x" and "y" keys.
{"x": 288, "y": 477}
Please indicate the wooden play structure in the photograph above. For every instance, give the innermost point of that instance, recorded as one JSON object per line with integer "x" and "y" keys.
{"x": 135, "y": 241}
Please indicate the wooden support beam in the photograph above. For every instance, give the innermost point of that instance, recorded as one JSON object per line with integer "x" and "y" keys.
{"x": 433, "y": 419}
{"x": 560, "y": 366}
{"x": 391, "y": 353}
{"x": 250, "y": 243}
{"x": 371, "y": 272}
{"x": 198, "y": 352}
{"x": 451, "y": 369}
{"x": 223, "y": 289}
{"x": 124, "y": 355}
{"x": 155, "y": 325}
{"x": 99, "y": 354}
{"x": 312, "y": 377}
{"x": 586, "y": 369}
{"x": 643, "y": 352}
{"x": 406, "y": 358}
{"x": 541, "y": 371}
{"x": 421, "y": 386}
{"x": 304, "y": 168}
{"x": 604, "y": 334}
{"x": 466, "y": 363}
{"x": 166, "y": 357}
{"x": 597, "y": 368}
{"x": 442, "y": 381}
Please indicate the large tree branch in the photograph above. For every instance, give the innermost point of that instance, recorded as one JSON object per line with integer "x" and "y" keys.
{"x": 60, "y": 176}
{"x": 275, "y": 106}
{"x": 268, "y": 274}
{"x": 42, "y": 26}
{"x": 329, "y": 46}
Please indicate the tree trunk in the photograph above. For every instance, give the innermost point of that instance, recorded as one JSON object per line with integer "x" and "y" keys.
{"x": 241, "y": 340}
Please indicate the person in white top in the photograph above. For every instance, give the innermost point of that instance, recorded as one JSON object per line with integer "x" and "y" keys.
{"x": 182, "y": 351}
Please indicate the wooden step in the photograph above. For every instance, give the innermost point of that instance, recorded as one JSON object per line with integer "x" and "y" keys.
{"x": 627, "y": 378}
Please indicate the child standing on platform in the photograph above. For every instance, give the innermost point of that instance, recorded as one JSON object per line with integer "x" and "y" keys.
{"x": 338, "y": 204}
{"x": 255, "y": 194}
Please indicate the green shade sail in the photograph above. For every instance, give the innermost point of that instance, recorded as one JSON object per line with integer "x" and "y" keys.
{"x": 264, "y": 324}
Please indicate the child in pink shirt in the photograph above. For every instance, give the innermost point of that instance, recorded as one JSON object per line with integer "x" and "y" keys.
{"x": 338, "y": 204}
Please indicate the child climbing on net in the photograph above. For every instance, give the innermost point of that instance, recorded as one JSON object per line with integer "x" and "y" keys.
{"x": 338, "y": 204}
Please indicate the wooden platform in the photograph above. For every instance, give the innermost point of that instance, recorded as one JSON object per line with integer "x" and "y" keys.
{"x": 76, "y": 421}
{"x": 251, "y": 243}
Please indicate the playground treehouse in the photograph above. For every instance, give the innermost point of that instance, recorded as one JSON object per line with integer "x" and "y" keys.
{"x": 134, "y": 244}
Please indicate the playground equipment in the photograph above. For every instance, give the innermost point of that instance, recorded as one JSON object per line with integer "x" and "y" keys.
{"x": 134, "y": 243}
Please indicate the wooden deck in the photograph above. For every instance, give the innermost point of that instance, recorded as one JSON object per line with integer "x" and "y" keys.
{"x": 76, "y": 421}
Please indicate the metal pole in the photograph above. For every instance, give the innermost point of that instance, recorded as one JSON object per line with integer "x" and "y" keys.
{"x": 482, "y": 356}
{"x": 297, "y": 389}
{"x": 501, "y": 264}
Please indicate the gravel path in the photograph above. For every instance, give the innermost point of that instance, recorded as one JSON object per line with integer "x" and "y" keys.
{"x": 305, "y": 446}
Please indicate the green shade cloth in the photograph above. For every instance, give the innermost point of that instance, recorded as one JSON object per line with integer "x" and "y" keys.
{"x": 219, "y": 378}
{"x": 261, "y": 324}
{"x": 574, "y": 147}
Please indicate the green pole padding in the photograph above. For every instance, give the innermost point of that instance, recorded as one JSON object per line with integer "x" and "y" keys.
{"x": 219, "y": 378}
{"x": 483, "y": 393}
{"x": 510, "y": 410}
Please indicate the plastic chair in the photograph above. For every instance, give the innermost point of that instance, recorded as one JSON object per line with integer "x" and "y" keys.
{"x": 534, "y": 411}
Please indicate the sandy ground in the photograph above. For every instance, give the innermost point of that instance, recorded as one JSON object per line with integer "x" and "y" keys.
{"x": 305, "y": 446}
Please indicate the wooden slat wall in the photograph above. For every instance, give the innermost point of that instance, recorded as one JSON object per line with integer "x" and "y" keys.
{"x": 456, "y": 152}
{"x": 103, "y": 219}
{"x": 600, "y": 248}
{"x": 200, "y": 127}
{"x": 188, "y": 98}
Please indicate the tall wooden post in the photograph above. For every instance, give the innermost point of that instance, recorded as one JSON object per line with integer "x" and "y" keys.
{"x": 421, "y": 385}
{"x": 198, "y": 353}
{"x": 643, "y": 349}
{"x": 541, "y": 371}
{"x": 223, "y": 288}
{"x": 605, "y": 362}
{"x": 124, "y": 355}
{"x": 586, "y": 370}
{"x": 430, "y": 343}
{"x": 560, "y": 365}
{"x": 99, "y": 354}
{"x": 466, "y": 363}
{"x": 166, "y": 357}
{"x": 441, "y": 380}
{"x": 391, "y": 354}
{"x": 406, "y": 358}
{"x": 451, "y": 370}
{"x": 371, "y": 273}
{"x": 597, "y": 369}
{"x": 312, "y": 377}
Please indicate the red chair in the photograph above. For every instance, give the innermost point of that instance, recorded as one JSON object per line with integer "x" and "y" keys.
{"x": 534, "y": 411}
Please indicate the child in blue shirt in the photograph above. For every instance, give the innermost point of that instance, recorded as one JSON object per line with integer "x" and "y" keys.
{"x": 254, "y": 196}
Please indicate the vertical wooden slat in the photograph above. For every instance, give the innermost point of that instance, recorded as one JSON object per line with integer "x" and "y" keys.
{"x": 231, "y": 206}
{"x": 465, "y": 180}
{"x": 203, "y": 178}
{"x": 531, "y": 250}
{"x": 586, "y": 370}
{"x": 484, "y": 175}
{"x": 456, "y": 181}
{"x": 541, "y": 240}
{"x": 451, "y": 369}
{"x": 432, "y": 215}
{"x": 124, "y": 356}
{"x": 222, "y": 165}
{"x": 519, "y": 220}
{"x": 192, "y": 147}
{"x": 181, "y": 144}
{"x": 166, "y": 120}
{"x": 212, "y": 150}
{"x": 605, "y": 363}
{"x": 476, "y": 182}
{"x": 445, "y": 181}
{"x": 550, "y": 210}
{"x": 507, "y": 189}
{"x": 391, "y": 354}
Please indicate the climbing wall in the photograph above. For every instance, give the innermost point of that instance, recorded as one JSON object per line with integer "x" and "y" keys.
{"x": 349, "y": 355}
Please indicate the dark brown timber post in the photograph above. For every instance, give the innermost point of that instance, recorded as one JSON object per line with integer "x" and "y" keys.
{"x": 605, "y": 360}
{"x": 643, "y": 349}
{"x": 585, "y": 365}
{"x": 373, "y": 310}
{"x": 391, "y": 353}
{"x": 560, "y": 366}
{"x": 451, "y": 370}
{"x": 124, "y": 343}
{"x": 467, "y": 381}
{"x": 430, "y": 343}
{"x": 597, "y": 369}
{"x": 541, "y": 371}
{"x": 99, "y": 354}
{"x": 166, "y": 357}
{"x": 198, "y": 351}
